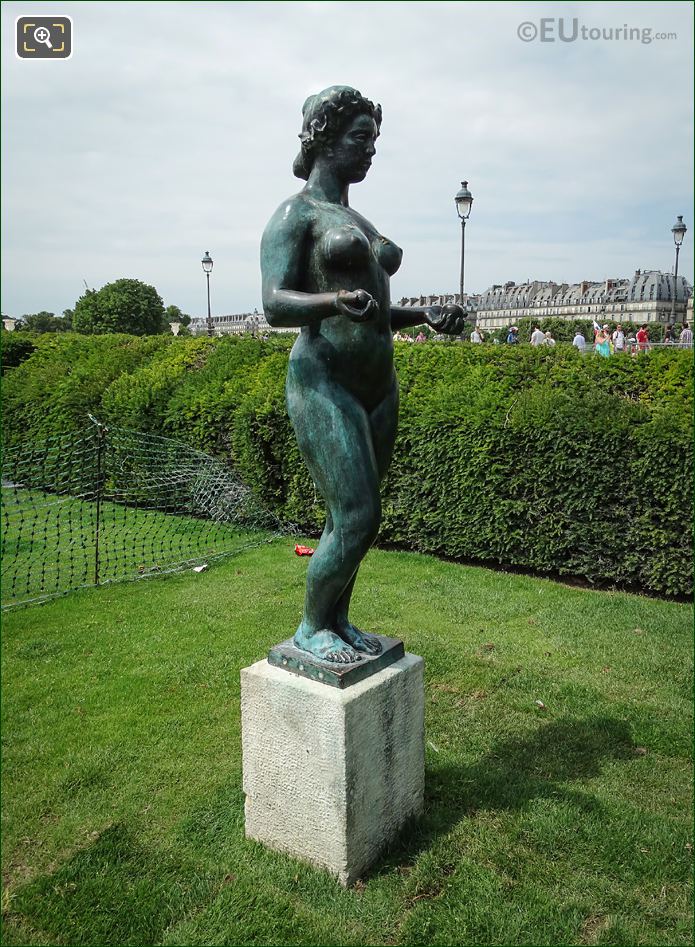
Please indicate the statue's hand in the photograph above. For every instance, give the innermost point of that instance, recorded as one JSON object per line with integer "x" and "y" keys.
{"x": 448, "y": 320}
{"x": 358, "y": 305}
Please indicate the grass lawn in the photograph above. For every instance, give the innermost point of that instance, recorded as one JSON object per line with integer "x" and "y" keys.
{"x": 49, "y": 543}
{"x": 122, "y": 802}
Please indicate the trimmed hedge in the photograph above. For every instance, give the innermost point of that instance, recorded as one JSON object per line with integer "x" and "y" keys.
{"x": 65, "y": 379}
{"x": 538, "y": 458}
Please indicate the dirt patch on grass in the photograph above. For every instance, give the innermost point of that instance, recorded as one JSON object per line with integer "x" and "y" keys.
{"x": 593, "y": 927}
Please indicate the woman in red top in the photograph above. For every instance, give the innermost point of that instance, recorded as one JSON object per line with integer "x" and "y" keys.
{"x": 643, "y": 339}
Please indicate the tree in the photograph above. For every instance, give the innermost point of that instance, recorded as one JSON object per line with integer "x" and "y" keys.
{"x": 126, "y": 305}
{"x": 44, "y": 322}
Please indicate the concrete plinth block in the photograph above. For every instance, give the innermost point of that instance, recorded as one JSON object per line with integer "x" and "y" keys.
{"x": 331, "y": 775}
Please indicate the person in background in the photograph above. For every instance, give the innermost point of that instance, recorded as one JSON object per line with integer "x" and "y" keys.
{"x": 618, "y": 339}
{"x": 476, "y": 336}
{"x": 513, "y": 336}
{"x": 549, "y": 340}
{"x": 686, "y": 337}
{"x": 668, "y": 336}
{"x": 537, "y": 337}
{"x": 602, "y": 342}
{"x": 421, "y": 337}
{"x": 579, "y": 342}
{"x": 643, "y": 339}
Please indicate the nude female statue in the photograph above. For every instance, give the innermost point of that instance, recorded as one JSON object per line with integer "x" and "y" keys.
{"x": 326, "y": 269}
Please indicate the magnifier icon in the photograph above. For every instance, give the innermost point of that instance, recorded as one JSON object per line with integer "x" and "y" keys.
{"x": 43, "y": 35}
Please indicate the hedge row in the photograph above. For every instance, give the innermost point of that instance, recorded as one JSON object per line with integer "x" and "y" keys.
{"x": 539, "y": 458}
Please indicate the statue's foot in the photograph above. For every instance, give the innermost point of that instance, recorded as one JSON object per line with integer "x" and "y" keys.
{"x": 359, "y": 640}
{"x": 326, "y": 645}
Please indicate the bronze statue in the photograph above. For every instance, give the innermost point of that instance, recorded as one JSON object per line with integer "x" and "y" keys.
{"x": 326, "y": 269}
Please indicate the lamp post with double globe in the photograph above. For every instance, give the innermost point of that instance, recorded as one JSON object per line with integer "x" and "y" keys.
{"x": 678, "y": 230}
{"x": 207, "y": 264}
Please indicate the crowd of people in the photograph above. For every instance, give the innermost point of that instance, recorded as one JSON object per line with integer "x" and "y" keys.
{"x": 608, "y": 343}
{"x": 605, "y": 342}
{"x": 538, "y": 337}
{"x": 404, "y": 337}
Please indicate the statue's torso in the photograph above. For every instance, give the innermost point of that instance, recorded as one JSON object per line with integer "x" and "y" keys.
{"x": 345, "y": 251}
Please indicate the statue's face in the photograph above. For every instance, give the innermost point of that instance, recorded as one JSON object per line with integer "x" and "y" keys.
{"x": 353, "y": 151}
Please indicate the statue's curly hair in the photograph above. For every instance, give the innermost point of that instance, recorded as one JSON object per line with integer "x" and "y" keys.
{"x": 324, "y": 117}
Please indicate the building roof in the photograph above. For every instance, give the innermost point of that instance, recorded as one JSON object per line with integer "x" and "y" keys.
{"x": 650, "y": 285}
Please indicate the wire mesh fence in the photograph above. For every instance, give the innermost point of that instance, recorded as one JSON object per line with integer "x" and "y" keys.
{"x": 109, "y": 504}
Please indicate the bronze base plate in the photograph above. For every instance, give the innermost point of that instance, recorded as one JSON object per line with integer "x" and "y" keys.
{"x": 289, "y": 657}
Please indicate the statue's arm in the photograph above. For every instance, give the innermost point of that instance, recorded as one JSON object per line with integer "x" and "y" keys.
{"x": 402, "y": 318}
{"x": 448, "y": 319}
{"x": 283, "y": 249}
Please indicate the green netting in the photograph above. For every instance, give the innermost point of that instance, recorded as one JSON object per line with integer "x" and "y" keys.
{"x": 109, "y": 504}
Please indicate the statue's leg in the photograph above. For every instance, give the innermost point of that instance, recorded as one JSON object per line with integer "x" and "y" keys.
{"x": 334, "y": 435}
{"x": 383, "y": 423}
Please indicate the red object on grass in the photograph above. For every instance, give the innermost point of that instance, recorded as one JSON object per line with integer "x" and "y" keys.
{"x": 304, "y": 550}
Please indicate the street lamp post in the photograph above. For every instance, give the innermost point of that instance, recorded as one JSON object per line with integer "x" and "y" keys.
{"x": 207, "y": 269}
{"x": 678, "y": 230}
{"x": 464, "y": 202}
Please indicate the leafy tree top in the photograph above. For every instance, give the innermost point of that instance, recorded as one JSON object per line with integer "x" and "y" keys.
{"x": 44, "y": 322}
{"x": 126, "y": 305}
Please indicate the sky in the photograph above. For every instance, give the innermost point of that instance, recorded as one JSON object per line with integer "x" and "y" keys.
{"x": 172, "y": 130}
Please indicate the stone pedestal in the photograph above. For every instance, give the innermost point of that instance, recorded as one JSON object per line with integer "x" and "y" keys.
{"x": 331, "y": 775}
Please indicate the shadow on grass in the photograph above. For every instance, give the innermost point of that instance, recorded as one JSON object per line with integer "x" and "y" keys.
{"x": 115, "y": 891}
{"x": 511, "y": 774}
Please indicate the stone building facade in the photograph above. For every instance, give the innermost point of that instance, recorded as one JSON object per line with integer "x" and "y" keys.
{"x": 646, "y": 297}
{"x": 236, "y": 324}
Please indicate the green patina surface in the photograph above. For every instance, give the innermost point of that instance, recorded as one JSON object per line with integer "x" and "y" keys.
{"x": 326, "y": 269}
{"x": 288, "y": 656}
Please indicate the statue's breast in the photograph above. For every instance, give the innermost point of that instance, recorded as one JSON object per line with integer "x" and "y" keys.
{"x": 345, "y": 247}
{"x": 349, "y": 246}
{"x": 387, "y": 254}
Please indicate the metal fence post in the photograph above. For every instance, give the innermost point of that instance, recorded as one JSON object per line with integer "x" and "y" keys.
{"x": 101, "y": 444}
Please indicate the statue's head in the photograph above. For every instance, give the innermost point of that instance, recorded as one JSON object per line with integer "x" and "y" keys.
{"x": 325, "y": 117}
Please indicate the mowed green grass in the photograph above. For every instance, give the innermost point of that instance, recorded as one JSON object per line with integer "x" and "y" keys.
{"x": 123, "y": 804}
